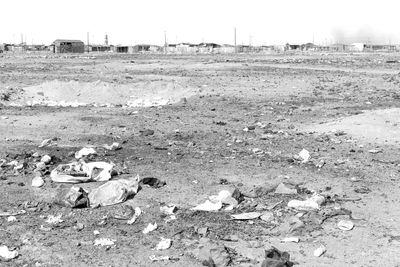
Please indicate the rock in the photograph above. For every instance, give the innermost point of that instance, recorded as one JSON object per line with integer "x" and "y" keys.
{"x": 202, "y": 231}
{"x": 304, "y": 156}
{"x": 124, "y": 212}
{"x": 212, "y": 253}
{"x": 146, "y": 132}
{"x": 345, "y": 225}
{"x": 45, "y": 159}
{"x": 164, "y": 244}
{"x": 79, "y": 226}
{"x": 149, "y": 228}
{"x": 104, "y": 242}
{"x": 40, "y": 166}
{"x": 276, "y": 258}
{"x": 37, "y": 181}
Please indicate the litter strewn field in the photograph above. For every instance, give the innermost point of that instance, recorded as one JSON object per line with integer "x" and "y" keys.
{"x": 207, "y": 160}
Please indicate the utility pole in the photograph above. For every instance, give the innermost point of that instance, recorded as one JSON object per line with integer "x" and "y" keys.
{"x": 88, "y": 42}
{"x": 235, "y": 40}
{"x": 165, "y": 42}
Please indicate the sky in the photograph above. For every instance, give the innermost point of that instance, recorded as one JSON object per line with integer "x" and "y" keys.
{"x": 257, "y": 22}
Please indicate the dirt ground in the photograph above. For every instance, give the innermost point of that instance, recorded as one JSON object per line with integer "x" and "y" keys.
{"x": 220, "y": 122}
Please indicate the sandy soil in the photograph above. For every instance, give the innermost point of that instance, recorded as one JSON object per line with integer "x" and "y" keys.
{"x": 342, "y": 108}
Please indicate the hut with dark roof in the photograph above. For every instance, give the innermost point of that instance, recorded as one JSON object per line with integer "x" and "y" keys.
{"x": 68, "y": 46}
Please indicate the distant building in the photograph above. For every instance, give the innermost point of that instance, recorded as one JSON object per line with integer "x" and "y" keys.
{"x": 226, "y": 49}
{"x": 356, "y": 47}
{"x": 127, "y": 49}
{"x": 143, "y": 48}
{"x": 338, "y": 47}
{"x": 185, "y": 48}
{"x": 244, "y": 48}
{"x": 67, "y": 46}
{"x": 208, "y": 47}
{"x": 99, "y": 48}
{"x": 170, "y": 48}
{"x": 309, "y": 47}
{"x": 379, "y": 48}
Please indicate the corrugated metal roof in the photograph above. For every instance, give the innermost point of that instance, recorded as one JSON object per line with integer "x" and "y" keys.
{"x": 67, "y": 41}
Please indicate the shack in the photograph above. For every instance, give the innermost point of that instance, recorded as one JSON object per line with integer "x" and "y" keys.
{"x": 68, "y": 46}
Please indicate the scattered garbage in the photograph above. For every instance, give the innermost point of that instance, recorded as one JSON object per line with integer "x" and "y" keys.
{"x": 8, "y": 254}
{"x": 216, "y": 202}
{"x": 51, "y": 219}
{"x": 113, "y": 192}
{"x": 149, "y": 228}
{"x": 11, "y": 219}
{"x": 104, "y": 242}
{"x": 209, "y": 206}
{"x": 100, "y": 171}
{"x": 164, "y": 244}
{"x": 246, "y": 216}
{"x": 313, "y": 203}
{"x": 284, "y": 189}
{"x": 136, "y": 215}
{"x": 81, "y": 172}
{"x": 276, "y": 258}
{"x": 152, "y": 182}
{"x": 37, "y": 181}
{"x": 86, "y": 151}
{"x": 304, "y": 156}
{"x": 114, "y": 146}
{"x": 47, "y": 142}
{"x": 168, "y": 209}
{"x": 159, "y": 258}
{"x": 320, "y": 251}
{"x": 76, "y": 197}
{"x": 375, "y": 151}
{"x": 291, "y": 239}
{"x": 345, "y": 225}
